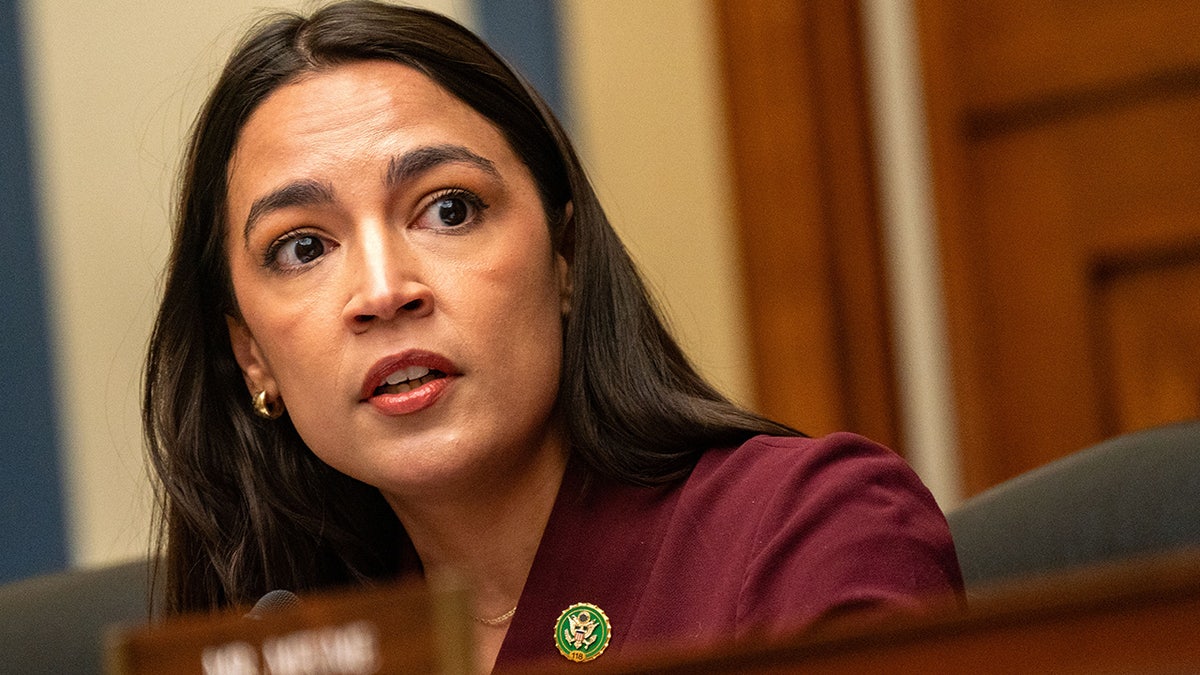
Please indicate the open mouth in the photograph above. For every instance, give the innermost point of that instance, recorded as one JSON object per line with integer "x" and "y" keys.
{"x": 407, "y": 379}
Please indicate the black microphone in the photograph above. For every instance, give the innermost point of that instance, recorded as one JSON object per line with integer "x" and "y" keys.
{"x": 275, "y": 601}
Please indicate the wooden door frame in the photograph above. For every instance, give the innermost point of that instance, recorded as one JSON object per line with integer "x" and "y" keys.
{"x": 807, "y": 215}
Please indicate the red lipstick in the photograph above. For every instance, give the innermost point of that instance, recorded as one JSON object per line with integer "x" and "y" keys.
{"x": 408, "y": 382}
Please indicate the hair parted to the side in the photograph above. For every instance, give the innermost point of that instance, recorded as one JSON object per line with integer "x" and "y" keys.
{"x": 244, "y": 506}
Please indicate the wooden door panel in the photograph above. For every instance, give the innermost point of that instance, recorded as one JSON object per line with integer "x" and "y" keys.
{"x": 1151, "y": 317}
{"x": 1060, "y": 208}
{"x": 1066, "y": 157}
{"x": 1024, "y": 51}
{"x": 1033, "y": 326}
{"x": 1137, "y": 175}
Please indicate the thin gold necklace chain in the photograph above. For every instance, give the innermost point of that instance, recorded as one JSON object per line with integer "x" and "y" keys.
{"x": 498, "y": 620}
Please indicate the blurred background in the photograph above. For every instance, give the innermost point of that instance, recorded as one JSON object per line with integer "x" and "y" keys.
{"x": 968, "y": 230}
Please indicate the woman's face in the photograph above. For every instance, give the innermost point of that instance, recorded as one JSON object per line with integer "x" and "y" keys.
{"x": 397, "y": 285}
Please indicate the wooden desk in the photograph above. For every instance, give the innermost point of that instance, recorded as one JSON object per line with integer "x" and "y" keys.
{"x": 1136, "y": 617}
{"x": 1140, "y": 617}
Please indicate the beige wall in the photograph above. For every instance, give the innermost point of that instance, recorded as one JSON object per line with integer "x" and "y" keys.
{"x": 648, "y": 121}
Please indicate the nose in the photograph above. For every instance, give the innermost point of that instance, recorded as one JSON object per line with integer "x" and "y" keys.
{"x": 387, "y": 282}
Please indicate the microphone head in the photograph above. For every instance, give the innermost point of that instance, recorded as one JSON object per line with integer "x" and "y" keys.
{"x": 275, "y": 601}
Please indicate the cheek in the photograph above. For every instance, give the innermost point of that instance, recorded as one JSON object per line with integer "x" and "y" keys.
{"x": 537, "y": 321}
{"x": 512, "y": 319}
{"x": 295, "y": 343}
{"x": 527, "y": 297}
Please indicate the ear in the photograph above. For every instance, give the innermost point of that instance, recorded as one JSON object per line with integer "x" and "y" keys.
{"x": 250, "y": 359}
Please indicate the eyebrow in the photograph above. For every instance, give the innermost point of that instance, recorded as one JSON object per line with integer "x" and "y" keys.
{"x": 413, "y": 163}
{"x": 401, "y": 169}
{"x": 297, "y": 193}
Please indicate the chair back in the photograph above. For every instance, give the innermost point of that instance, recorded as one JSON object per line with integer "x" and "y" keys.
{"x": 1134, "y": 495}
{"x": 57, "y": 623}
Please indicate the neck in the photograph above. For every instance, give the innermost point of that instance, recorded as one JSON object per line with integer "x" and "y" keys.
{"x": 488, "y": 534}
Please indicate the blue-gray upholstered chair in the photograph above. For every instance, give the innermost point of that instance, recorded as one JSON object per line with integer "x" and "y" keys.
{"x": 57, "y": 623}
{"x": 1131, "y": 496}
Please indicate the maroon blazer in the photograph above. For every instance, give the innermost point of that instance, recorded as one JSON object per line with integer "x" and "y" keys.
{"x": 765, "y": 538}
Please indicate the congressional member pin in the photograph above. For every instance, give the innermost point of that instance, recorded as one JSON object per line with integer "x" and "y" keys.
{"x": 582, "y": 632}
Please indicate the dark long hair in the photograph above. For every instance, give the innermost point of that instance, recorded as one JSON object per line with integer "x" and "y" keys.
{"x": 245, "y": 506}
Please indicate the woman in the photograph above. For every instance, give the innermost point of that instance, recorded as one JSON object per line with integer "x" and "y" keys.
{"x": 398, "y": 334}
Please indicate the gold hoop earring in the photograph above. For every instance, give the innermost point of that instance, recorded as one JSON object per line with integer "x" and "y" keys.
{"x": 265, "y": 410}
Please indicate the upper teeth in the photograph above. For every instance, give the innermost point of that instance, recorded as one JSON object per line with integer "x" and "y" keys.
{"x": 409, "y": 373}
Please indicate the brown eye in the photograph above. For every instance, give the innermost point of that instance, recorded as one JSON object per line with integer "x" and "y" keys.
{"x": 453, "y": 211}
{"x": 298, "y": 251}
{"x": 307, "y": 249}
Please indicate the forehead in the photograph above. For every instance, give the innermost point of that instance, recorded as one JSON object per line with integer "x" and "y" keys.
{"x": 358, "y": 112}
